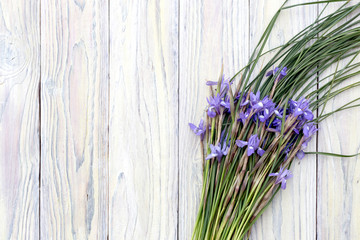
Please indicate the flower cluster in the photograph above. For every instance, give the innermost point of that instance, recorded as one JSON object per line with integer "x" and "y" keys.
{"x": 268, "y": 120}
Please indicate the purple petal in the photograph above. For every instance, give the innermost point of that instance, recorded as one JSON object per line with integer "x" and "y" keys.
{"x": 226, "y": 151}
{"x": 309, "y": 129}
{"x": 211, "y": 155}
{"x": 193, "y": 127}
{"x": 308, "y": 115}
{"x": 260, "y": 151}
{"x": 211, "y": 83}
{"x": 300, "y": 154}
{"x": 201, "y": 124}
{"x": 250, "y": 151}
{"x": 244, "y": 103}
{"x": 278, "y": 113}
{"x": 254, "y": 141}
{"x": 211, "y": 113}
{"x": 283, "y": 184}
{"x": 298, "y": 112}
{"x": 258, "y": 105}
{"x": 241, "y": 143}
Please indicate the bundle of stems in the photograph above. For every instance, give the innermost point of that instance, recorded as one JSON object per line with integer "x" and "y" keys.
{"x": 252, "y": 134}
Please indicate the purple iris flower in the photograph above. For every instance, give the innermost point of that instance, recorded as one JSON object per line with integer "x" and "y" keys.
{"x": 274, "y": 71}
{"x": 255, "y": 100}
{"x": 267, "y": 102}
{"x": 226, "y": 103}
{"x": 282, "y": 73}
{"x": 281, "y": 177}
{"x": 214, "y": 105}
{"x": 308, "y": 115}
{"x": 244, "y": 115}
{"x": 301, "y": 108}
{"x": 264, "y": 108}
{"x": 200, "y": 130}
{"x": 244, "y": 102}
{"x": 253, "y": 145}
{"x": 266, "y": 114}
{"x": 218, "y": 151}
{"x": 259, "y": 104}
{"x": 309, "y": 130}
{"x": 224, "y": 85}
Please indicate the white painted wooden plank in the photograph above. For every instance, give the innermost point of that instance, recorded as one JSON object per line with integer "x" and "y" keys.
{"x": 19, "y": 119}
{"x": 143, "y": 164}
{"x": 292, "y": 214}
{"x": 338, "y": 208}
{"x": 211, "y": 33}
{"x": 74, "y": 87}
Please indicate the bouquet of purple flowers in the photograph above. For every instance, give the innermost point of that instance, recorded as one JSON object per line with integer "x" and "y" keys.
{"x": 257, "y": 124}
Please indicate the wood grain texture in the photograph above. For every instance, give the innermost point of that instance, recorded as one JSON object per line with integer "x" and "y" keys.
{"x": 117, "y": 159}
{"x": 211, "y": 33}
{"x": 74, "y": 99}
{"x": 19, "y": 119}
{"x": 292, "y": 214}
{"x": 338, "y": 209}
{"x": 143, "y": 164}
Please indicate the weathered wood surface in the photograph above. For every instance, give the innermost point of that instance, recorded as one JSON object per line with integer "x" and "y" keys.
{"x": 19, "y": 119}
{"x": 143, "y": 164}
{"x": 74, "y": 101}
{"x": 95, "y": 100}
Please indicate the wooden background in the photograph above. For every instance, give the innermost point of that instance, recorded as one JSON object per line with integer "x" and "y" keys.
{"x": 95, "y": 98}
